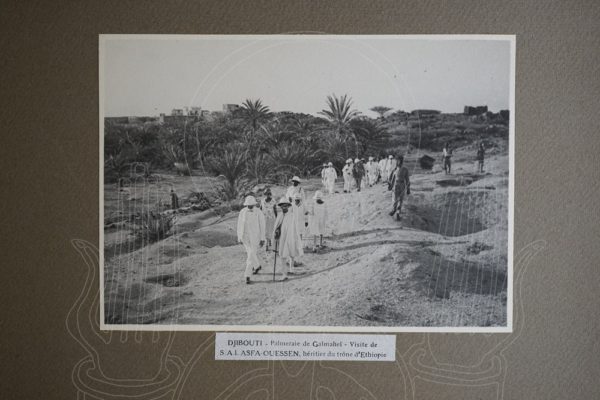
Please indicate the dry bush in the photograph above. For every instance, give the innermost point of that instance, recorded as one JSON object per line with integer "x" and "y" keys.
{"x": 259, "y": 169}
{"x": 230, "y": 166}
{"x": 182, "y": 169}
{"x": 151, "y": 226}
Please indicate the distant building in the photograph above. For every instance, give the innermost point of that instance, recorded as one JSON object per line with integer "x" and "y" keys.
{"x": 424, "y": 113}
{"x": 117, "y": 120}
{"x": 230, "y": 108}
{"x": 478, "y": 110}
{"x": 130, "y": 120}
{"x": 177, "y": 112}
{"x": 195, "y": 112}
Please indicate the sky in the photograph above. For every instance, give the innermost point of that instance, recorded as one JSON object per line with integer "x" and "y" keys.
{"x": 149, "y": 75}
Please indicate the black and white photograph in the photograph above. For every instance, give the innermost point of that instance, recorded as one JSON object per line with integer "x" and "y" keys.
{"x": 307, "y": 182}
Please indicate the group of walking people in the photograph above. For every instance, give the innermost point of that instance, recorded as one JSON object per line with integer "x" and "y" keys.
{"x": 359, "y": 174}
{"x": 283, "y": 225}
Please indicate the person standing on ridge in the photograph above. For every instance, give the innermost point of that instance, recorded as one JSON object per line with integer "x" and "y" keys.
{"x": 446, "y": 156}
{"x": 480, "y": 156}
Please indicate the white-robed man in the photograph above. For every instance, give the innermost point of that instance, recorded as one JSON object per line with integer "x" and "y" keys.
{"x": 390, "y": 166}
{"x": 285, "y": 234}
{"x": 330, "y": 177}
{"x": 347, "y": 174}
{"x": 267, "y": 206}
{"x": 251, "y": 233}
{"x": 324, "y": 176}
{"x": 371, "y": 167}
{"x": 382, "y": 162}
{"x": 300, "y": 213}
{"x": 295, "y": 189}
{"x": 318, "y": 219}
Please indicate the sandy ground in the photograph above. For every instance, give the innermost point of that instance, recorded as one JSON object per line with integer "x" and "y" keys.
{"x": 443, "y": 264}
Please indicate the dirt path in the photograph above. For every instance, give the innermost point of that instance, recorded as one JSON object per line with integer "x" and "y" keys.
{"x": 444, "y": 264}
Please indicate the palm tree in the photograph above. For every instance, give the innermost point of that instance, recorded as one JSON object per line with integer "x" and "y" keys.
{"x": 259, "y": 169}
{"x": 273, "y": 133}
{"x": 372, "y": 136}
{"x": 293, "y": 159}
{"x": 305, "y": 130}
{"x": 116, "y": 166}
{"x": 339, "y": 114}
{"x": 333, "y": 148}
{"x": 253, "y": 113}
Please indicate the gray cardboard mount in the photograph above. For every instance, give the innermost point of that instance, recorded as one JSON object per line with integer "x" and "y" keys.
{"x": 50, "y": 186}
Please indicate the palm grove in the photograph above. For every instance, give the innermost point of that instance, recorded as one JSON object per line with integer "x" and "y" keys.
{"x": 254, "y": 145}
{"x": 248, "y": 146}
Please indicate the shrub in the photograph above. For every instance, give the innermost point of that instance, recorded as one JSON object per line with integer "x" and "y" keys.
{"x": 259, "y": 169}
{"x": 182, "y": 169}
{"x": 230, "y": 165}
{"x": 151, "y": 226}
{"x": 372, "y": 137}
{"x": 116, "y": 167}
{"x": 290, "y": 159}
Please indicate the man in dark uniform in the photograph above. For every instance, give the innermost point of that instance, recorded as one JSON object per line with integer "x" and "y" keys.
{"x": 446, "y": 157}
{"x": 358, "y": 172}
{"x": 480, "y": 156}
{"x": 400, "y": 185}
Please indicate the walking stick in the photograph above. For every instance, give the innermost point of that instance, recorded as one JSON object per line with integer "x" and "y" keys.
{"x": 275, "y": 259}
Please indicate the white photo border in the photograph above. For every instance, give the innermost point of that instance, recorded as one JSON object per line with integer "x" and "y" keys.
{"x": 317, "y": 329}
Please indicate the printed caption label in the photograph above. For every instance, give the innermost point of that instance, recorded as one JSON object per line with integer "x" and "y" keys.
{"x": 304, "y": 347}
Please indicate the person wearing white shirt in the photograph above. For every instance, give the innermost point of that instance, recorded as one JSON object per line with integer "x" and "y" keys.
{"x": 318, "y": 219}
{"x": 347, "y": 174}
{"x": 286, "y": 238}
{"x": 251, "y": 233}
{"x": 267, "y": 206}
{"x": 295, "y": 189}
{"x": 446, "y": 158}
{"x": 324, "y": 176}
{"x": 371, "y": 168}
{"x": 382, "y": 162}
{"x": 330, "y": 177}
